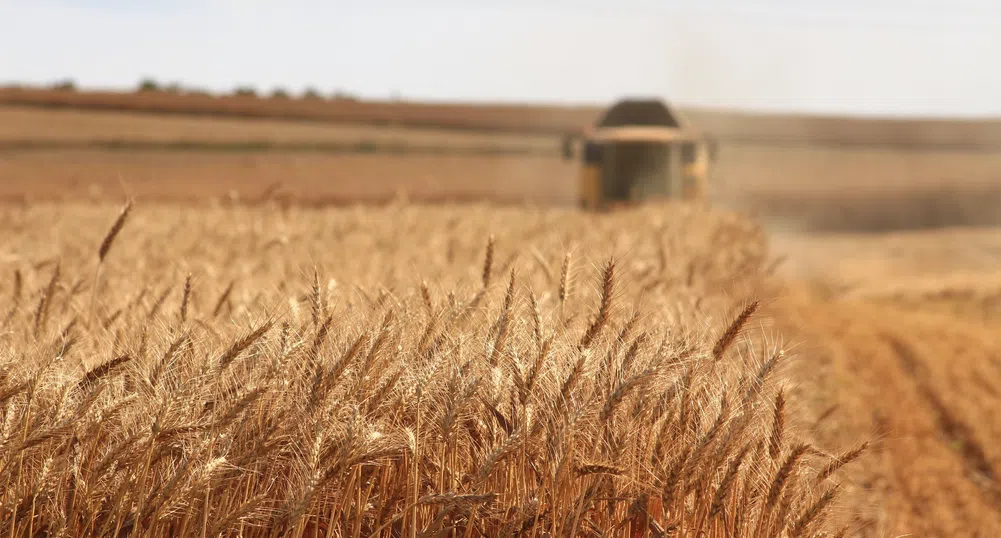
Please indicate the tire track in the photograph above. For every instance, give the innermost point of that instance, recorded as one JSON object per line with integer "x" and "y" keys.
{"x": 956, "y": 431}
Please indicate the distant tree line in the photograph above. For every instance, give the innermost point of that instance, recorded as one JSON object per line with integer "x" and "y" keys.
{"x": 148, "y": 84}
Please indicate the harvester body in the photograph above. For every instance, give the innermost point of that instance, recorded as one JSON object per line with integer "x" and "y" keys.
{"x": 641, "y": 150}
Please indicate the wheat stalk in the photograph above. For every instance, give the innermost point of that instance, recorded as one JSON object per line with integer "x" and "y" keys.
{"x": 410, "y": 401}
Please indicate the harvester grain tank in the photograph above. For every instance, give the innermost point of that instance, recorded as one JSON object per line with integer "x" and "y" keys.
{"x": 640, "y": 150}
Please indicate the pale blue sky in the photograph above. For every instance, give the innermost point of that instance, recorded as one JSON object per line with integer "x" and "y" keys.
{"x": 849, "y": 56}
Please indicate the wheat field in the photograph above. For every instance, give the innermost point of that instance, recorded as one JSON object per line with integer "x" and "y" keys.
{"x": 399, "y": 371}
{"x": 238, "y": 357}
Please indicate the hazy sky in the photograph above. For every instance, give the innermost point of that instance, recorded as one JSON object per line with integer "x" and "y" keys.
{"x": 847, "y": 56}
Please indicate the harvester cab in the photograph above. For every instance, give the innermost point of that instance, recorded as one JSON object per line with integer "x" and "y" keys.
{"x": 640, "y": 150}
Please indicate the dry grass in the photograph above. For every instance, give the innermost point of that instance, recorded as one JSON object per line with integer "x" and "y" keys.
{"x": 403, "y": 371}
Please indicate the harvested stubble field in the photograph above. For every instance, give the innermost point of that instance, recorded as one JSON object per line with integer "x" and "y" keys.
{"x": 925, "y": 385}
{"x": 64, "y": 155}
{"x": 902, "y": 334}
{"x": 303, "y": 179}
{"x": 83, "y": 127}
{"x": 403, "y": 371}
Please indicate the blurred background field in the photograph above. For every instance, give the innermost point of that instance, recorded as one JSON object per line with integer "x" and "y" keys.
{"x": 806, "y": 172}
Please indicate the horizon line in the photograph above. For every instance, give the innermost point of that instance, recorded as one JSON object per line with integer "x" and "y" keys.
{"x": 266, "y": 93}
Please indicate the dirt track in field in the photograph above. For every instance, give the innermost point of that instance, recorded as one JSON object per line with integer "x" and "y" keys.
{"x": 918, "y": 375}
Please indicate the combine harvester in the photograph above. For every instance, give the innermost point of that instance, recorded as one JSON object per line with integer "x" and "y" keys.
{"x": 641, "y": 150}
